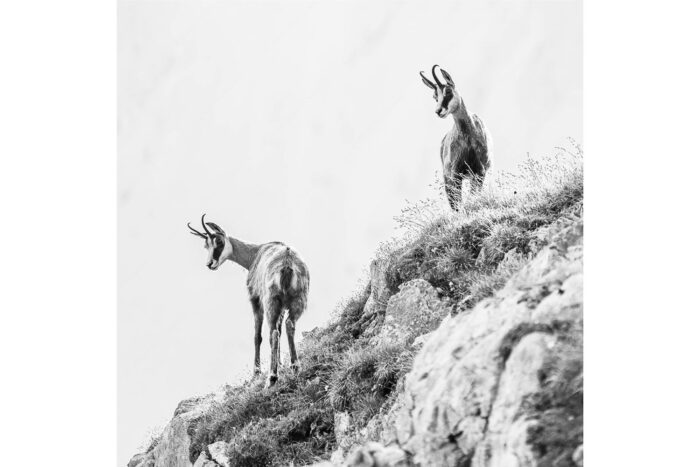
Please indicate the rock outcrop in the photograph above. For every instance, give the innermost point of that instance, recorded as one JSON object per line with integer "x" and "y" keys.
{"x": 173, "y": 448}
{"x": 415, "y": 310}
{"x": 480, "y": 390}
{"x": 465, "y": 402}
{"x": 374, "y": 309}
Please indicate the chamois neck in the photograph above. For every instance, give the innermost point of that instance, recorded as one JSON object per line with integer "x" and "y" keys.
{"x": 463, "y": 120}
{"x": 243, "y": 253}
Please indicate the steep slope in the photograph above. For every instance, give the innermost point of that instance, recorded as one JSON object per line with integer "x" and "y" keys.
{"x": 500, "y": 385}
{"x": 464, "y": 348}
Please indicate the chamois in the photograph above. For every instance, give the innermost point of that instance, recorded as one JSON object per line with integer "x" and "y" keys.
{"x": 278, "y": 279}
{"x": 466, "y": 149}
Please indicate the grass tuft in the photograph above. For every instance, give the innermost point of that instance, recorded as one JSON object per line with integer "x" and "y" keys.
{"x": 365, "y": 377}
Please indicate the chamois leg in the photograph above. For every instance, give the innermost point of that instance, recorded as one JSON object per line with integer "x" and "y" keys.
{"x": 453, "y": 189}
{"x": 279, "y": 334}
{"x": 274, "y": 315}
{"x": 295, "y": 311}
{"x": 257, "y": 336}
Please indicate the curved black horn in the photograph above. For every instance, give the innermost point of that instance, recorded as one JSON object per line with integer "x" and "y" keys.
{"x": 205, "y": 225}
{"x": 195, "y": 231}
{"x": 437, "y": 81}
{"x": 427, "y": 81}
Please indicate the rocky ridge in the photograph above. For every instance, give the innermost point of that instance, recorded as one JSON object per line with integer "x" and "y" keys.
{"x": 479, "y": 392}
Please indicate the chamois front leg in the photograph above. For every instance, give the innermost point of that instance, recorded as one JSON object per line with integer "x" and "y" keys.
{"x": 477, "y": 174}
{"x": 453, "y": 189}
{"x": 257, "y": 336}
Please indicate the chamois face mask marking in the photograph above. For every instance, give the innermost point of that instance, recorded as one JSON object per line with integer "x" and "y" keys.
{"x": 216, "y": 246}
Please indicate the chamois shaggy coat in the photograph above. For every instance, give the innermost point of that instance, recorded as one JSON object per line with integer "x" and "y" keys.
{"x": 278, "y": 273}
{"x": 278, "y": 280}
{"x": 464, "y": 153}
{"x": 466, "y": 149}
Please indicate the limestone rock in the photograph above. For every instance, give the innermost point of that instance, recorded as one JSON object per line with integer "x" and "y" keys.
{"x": 463, "y": 401}
{"x": 420, "y": 340}
{"x": 464, "y": 393}
{"x": 144, "y": 459}
{"x": 377, "y": 455}
{"x": 415, "y": 310}
{"x": 511, "y": 260}
{"x": 218, "y": 453}
{"x": 505, "y": 442}
{"x": 547, "y": 234}
{"x": 204, "y": 461}
{"x": 379, "y": 292}
{"x": 343, "y": 430}
{"x": 349, "y": 436}
{"x": 577, "y": 457}
{"x": 341, "y": 425}
{"x": 188, "y": 404}
{"x": 173, "y": 449}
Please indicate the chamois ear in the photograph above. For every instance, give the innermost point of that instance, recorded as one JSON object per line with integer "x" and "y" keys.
{"x": 215, "y": 228}
{"x": 448, "y": 78}
{"x": 427, "y": 82}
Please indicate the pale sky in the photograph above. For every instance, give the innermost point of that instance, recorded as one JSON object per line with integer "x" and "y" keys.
{"x": 303, "y": 122}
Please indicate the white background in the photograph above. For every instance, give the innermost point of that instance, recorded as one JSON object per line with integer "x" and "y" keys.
{"x": 58, "y": 192}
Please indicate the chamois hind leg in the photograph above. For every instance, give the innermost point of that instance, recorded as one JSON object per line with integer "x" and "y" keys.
{"x": 274, "y": 316}
{"x": 279, "y": 334}
{"x": 296, "y": 309}
{"x": 257, "y": 336}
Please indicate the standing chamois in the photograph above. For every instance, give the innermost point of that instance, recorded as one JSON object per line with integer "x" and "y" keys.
{"x": 466, "y": 149}
{"x": 278, "y": 279}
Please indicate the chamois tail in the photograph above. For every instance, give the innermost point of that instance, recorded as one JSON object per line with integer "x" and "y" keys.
{"x": 287, "y": 272}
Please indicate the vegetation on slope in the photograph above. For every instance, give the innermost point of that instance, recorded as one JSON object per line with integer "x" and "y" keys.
{"x": 559, "y": 407}
{"x": 467, "y": 256}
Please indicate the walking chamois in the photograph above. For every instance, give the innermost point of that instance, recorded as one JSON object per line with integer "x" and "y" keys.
{"x": 466, "y": 149}
{"x": 278, "y": 279}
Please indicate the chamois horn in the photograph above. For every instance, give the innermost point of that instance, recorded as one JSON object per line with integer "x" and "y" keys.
{"x": 205, "y": 225}
{"x": 436, "y": 78}
{"x": 195, "y": 231}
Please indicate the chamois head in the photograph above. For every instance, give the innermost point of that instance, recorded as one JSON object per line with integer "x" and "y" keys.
{"x": 215, "y": 241}
{"x": 444, "y": 94}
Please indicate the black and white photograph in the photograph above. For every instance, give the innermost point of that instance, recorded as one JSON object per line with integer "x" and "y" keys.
{"x": 348, "y": 233}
